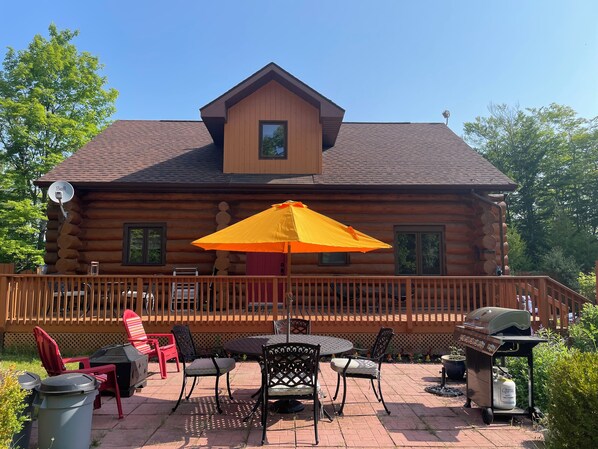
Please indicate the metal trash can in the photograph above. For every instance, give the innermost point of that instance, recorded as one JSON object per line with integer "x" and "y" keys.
{"x": 65, "y": 410}
{"x": 30, "y": 382}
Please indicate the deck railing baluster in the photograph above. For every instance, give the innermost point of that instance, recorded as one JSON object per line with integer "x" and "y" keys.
{"x": 419, "y": 304}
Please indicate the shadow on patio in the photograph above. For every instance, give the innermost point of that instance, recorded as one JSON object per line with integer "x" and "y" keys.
{"x": 418, "y": 419}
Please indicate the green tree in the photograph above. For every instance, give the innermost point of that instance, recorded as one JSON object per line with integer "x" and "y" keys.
{"x": 553, "y": 156}
{"x": 576, "y": 241}
{"x": 518, "y": 259}
{"x": 515, "y": 142}
{"x": 52, "y": 101}
{"x": 560, "y": 267}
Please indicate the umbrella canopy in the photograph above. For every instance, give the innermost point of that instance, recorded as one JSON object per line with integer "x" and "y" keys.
{"x": 290, "y": 227}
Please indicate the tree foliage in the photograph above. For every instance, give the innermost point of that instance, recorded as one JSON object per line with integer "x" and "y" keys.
{"x": 52, "y": 101}
{"x": 552, "y": 154}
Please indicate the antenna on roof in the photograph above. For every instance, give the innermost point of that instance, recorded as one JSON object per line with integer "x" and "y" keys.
{"x": 446, "y": 114}
{"x": 61, "y": 192}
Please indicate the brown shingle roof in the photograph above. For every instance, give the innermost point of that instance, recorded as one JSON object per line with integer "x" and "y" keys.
{"x": 179, "y": 154}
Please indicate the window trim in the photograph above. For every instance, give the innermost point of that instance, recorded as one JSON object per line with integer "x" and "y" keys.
{"x": 322, "y": 263}
{"x": 284, "y": 123}
{"x": 418, "y": 230}
{"x": 126, "y": 243}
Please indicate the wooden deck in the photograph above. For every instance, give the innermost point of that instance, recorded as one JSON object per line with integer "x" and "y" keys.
{"x": 244, "y": 304}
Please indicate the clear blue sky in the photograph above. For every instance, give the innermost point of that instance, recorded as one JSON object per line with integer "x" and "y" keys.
{"x": 379, "y": 60}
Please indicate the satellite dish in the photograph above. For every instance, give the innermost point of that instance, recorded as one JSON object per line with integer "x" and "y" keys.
{"x": 61, "y": 192}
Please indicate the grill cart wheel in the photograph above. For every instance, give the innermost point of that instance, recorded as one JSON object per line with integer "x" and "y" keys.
{"x": 487, "y": 416}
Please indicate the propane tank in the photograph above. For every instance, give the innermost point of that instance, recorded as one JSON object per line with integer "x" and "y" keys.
{"x": 504, "y": 389}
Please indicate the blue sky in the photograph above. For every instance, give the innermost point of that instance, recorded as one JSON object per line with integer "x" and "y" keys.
{"x": 379, "y": 60}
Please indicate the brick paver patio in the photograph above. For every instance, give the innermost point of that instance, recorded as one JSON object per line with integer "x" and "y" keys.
{"x": 418, "y": 419}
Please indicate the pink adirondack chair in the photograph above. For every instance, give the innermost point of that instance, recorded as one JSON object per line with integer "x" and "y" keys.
{"x": 55, "y": 364}
{"x": 148, "y": 343}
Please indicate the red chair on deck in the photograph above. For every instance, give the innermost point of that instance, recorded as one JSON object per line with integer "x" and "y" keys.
{"x": 54, "y": 363}
{"x": 148, "y": 343}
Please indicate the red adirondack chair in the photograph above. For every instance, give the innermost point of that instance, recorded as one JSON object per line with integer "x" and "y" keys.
{"x": 54, "y": 363}
{"x": 148, "y": 343}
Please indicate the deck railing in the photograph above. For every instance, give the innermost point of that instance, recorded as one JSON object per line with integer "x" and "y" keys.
{"x": 351, "y": 303}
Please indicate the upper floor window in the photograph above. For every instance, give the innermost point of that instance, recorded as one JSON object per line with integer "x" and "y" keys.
{"x": 419, "y": 250}
{"x": 144, "y": 244}
{"x": 273, "y": 140}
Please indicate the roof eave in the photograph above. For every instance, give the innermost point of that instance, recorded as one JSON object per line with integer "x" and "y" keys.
{"x": 243, "y": 187}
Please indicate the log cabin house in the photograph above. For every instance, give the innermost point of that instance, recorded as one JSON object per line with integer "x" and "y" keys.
{"x": 145, "y": 189}
{"x": 269, "y": 139}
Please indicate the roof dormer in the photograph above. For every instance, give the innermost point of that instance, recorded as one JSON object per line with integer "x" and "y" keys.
{"x": 272, "y": 123}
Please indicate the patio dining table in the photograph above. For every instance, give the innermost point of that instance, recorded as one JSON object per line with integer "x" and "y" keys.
{"x": 253, "y": 346}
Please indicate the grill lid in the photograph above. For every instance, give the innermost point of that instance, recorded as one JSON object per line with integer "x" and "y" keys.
{"x": 494, "y": 320}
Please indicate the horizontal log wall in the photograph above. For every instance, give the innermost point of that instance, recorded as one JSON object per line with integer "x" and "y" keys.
{"x": 190, "y": 216}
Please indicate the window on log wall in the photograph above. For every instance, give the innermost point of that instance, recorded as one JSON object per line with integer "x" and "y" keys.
{"x": 419, "y": 250}
{"x": 333, "y": 259}
{"x": 145, "y": 244}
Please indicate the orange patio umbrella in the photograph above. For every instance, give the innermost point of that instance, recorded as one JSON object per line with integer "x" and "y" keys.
{"x": 289, "y": 227}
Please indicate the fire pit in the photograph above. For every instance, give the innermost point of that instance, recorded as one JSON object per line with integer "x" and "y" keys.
{"x": 489, "y": 334}
{"x": 131, "y": 366}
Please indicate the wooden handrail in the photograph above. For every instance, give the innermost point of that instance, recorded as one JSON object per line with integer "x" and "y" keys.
{"x": 410, "y": 304}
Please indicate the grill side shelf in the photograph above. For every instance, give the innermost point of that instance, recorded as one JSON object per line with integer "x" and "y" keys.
{"x": 486, "y": 344}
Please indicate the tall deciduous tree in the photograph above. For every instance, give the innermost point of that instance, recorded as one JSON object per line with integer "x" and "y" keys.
{"x": 553, "y": 155}
{"x": 52, "y": 101}
{"x": 516, "y": 143}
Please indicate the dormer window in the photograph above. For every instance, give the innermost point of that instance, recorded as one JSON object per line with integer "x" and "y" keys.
{"x": 273, "y": 140}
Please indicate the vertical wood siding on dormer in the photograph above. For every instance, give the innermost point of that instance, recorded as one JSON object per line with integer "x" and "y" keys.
{"x": 273, "y": 102}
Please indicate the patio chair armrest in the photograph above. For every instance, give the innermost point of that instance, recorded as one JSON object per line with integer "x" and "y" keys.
{"x": 170, "y": 337}
{"x": 100, "y": 369}
{"x": 83, "y": 360}
{"x": 150, "y": 341}
{"x": 349, "y": 358}
{"x": 361, "y": 350}
{"x": 356, "y": 357}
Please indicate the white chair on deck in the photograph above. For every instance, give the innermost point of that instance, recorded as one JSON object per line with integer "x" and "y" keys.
{"x": 184, "y": 294}
{"x": 69, "y": 296}
{"x": 146, "y": 296}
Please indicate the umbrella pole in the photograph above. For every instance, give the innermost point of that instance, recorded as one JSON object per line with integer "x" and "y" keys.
{"x": 289, "y": 294}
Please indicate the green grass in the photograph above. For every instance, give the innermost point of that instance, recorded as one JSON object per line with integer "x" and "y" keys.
{"x": 22, "y": 361}
{"x": 27, "y": 360}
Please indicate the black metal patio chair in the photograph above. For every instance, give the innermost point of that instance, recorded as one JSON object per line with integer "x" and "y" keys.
{"x": 290, "y": 371}
{"x": 195, "y": 365}
{"x": 363, "y": 367}
{"x": 298, "y": 326}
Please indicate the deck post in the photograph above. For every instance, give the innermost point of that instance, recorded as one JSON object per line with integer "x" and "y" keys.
{"x": 3, "y": 306}
{"x": 543, "y": 303}
{"x": 409, "y": 305}
{"x": 139, "y": 302}
{"x": 275, "y": 298}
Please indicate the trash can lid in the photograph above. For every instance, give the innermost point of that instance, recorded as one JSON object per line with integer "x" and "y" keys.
{"x": 29, "y": 381}
{"x": 69, "y": 383}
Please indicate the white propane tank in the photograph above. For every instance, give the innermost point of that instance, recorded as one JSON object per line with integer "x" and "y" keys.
{"x": 505, "y": 396}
